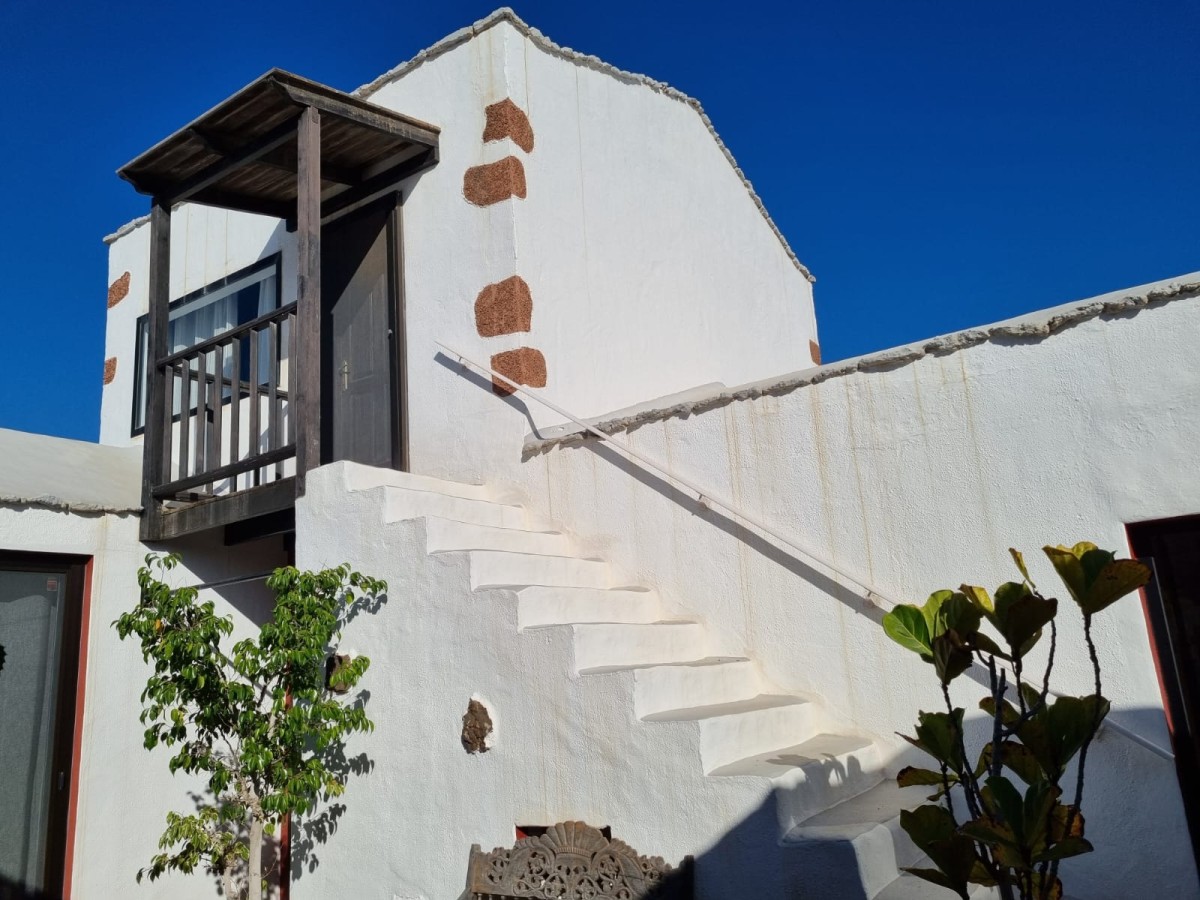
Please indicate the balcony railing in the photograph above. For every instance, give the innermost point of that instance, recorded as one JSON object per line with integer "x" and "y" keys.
{"x": 226, "y": 417}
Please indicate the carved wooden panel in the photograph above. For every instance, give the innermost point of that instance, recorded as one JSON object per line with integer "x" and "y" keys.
{"x": 573, "y": 861}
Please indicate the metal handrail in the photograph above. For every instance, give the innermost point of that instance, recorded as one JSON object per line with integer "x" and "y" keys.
{"x": 705, "y": 498}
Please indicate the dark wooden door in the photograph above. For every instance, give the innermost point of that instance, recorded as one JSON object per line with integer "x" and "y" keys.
{"x": 41, "y": 602}
{"x": 1173, "y": 611}
{"x": 362, "y": 389}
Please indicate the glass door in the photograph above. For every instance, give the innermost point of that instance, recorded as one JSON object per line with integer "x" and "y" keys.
{"x": 40, "y": 612}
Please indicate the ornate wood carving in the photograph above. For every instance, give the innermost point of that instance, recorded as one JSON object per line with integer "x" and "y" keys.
{"x": 573, "y": 861}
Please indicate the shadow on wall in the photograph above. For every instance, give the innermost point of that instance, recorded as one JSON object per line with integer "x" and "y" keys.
{"x": 780, "y": 556}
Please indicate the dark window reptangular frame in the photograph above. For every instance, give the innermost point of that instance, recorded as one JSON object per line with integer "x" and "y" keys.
{"x": 74, "y": 572}
{"x": 140, "y": 367}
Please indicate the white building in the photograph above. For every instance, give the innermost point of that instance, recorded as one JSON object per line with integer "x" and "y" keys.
{"x": 702, "y": 681}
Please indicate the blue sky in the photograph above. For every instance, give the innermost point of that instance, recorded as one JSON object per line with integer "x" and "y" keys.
{"x": 936, "y": 164}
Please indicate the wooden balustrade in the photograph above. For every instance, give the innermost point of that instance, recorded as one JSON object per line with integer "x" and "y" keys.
{"x": 226, "y": 417}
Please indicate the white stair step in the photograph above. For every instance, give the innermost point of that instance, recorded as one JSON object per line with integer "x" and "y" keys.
{"x": 496, "y": 568}
{"x": 813, "y": 775}
{"x": 718, "y": 679}
{"x": 868, "y": 826}
{"x": 362, "y": 478}
{"x": 733, "y": 731}
{"x": 444, "y": 535}
{"x": 605, "y": 645}
{"x": 404, "y": 503}
{"x": 541, "y": 606}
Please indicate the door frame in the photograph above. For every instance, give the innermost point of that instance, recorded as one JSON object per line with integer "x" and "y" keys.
{"x": 1178, "y": 672}
{"x": 68, "y": 709}
{"x": 398, "y": 356}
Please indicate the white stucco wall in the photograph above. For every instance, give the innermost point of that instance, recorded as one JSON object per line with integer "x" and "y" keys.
{"x": 651, "y": 265}
{"x": 919, "y": 475}
{"x": 206, "y": 245}
{"x": 125, "y": 791}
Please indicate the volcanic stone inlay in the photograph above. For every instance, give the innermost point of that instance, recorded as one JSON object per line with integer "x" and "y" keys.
{"x": 524, "y": 366}
{"x": 118, "y": 290}
{"x": 505, "y": 307}
{"x": 507, "y": 120}
{"x": 494, "y": 182}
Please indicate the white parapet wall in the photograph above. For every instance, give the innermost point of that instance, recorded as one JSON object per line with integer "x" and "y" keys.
{"x": 917, "y": 469}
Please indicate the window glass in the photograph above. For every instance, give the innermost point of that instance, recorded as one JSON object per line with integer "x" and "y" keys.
{"x": 210, "y": 312}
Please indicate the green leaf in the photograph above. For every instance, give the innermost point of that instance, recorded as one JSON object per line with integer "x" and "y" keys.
{"x": 933, "y": 876}
{"x": 933, "y": 830}
{"x": 940, "y": 735}
{"x": 957, "y": 613}
{"x": 911, "y": 776}
{"x": 979, "y": 597}
{"x": 1019, "y": 559}
{"x": 951, "y": 656}
{"x": 1114, "y": 581}
{"x": 933, "y": 605}
{"x": 1094, "y": 577}
{"x": 907, "y": 626}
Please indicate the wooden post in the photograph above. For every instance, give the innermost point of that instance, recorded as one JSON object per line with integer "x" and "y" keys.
{"x": 308, "y": 296}
{"x": 153, "y": 467}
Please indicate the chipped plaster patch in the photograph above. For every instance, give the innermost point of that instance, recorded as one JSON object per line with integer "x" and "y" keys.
{"x": 507, "y": 120}
{"x": 814, "y": 350}
{"x": 110, "y": 369}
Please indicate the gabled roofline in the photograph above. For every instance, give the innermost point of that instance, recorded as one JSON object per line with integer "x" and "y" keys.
{"x": 505, "y": 14}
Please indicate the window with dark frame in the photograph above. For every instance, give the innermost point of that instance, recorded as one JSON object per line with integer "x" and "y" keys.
{"x": 211, "y": 311}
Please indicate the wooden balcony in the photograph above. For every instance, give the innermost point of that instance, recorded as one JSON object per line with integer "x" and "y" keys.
{"x": 233, "y": 423}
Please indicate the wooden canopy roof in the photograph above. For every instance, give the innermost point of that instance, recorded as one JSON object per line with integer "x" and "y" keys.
{"x": 242, "y": 154}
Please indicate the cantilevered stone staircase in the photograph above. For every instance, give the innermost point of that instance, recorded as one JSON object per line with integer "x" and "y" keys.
{"x": 838, "y": 813}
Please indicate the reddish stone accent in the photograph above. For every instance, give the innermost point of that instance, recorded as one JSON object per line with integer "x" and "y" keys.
{"x": 523, "y": 365}
{"x": 110, "y": 369}
{"x": 814, "y": 350}
{"x": 507, "y": 120}
{"x": 504, "y": 308}
{"x": 118, "y": 290}
{"x": 491, "y": 183}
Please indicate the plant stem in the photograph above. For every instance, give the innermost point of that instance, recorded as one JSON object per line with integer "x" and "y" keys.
{"x": 1083, "y": 751}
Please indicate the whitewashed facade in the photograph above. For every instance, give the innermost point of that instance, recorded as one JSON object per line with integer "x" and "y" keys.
{"x": 648, "y": 662}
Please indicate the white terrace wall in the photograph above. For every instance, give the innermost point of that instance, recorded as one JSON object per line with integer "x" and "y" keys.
{"x": 918, "y": 470}
{"x": 124, "y": 791}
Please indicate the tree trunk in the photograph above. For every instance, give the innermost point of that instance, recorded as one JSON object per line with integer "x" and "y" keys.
{"x": 227, "y": 884}
{"x": 254, "y": 874}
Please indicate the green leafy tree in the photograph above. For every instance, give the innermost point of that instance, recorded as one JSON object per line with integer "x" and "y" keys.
{"x": 261, "y": 721}
{"x": 987, "y": 830}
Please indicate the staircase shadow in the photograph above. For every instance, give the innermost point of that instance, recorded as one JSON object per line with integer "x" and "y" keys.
{"x": 750, "y": 860}
{"x": 780, "y": 556}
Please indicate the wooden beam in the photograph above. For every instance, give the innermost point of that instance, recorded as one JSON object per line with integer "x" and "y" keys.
{"x": 247, "y": 504}
{"x": 282, "y": 158}
{"x": 355, "y": 198}
{"x": 158, "y": 413}
{"x": 381, "y": 120}
{"x": 274, "y": 138}
{"x": 307, "y": 365}
{"x": 244, "y": 203}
